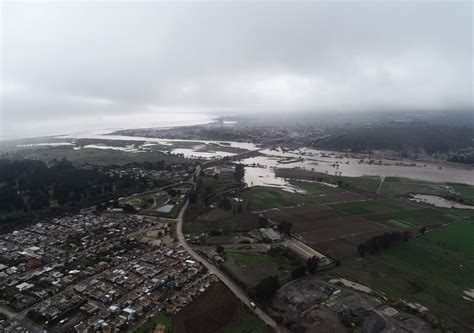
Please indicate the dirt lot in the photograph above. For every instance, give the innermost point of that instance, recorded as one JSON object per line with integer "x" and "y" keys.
{"x": 217, "y": 310}
{"x": 300, "y": 302}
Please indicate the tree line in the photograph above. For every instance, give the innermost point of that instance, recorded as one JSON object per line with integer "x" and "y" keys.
{"x": 32, "y": 189}
{"x": 383, "y": 241}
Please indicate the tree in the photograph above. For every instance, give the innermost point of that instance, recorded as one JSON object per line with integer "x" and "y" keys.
{"x": 263, "y": 222}
{"x": 422, "y": 230}
{"x": 383, "y": 241}
{"x": 240, "y": 208}
{"x": 220, "y": 249}
{"x": 193, "y": 197}
{"x": 267, "y": 288}
{"x": 129, "y": 209}
{"x": 298, "y": 272}
{"x": 239, "y": 172}
{"x": 226, "y": 203}
{"x": 361, "y": 248}
{"x": 312, "y": 264}
{"x": 285, "y": 227}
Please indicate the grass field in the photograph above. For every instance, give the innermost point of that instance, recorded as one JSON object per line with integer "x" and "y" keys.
{"x": 418, "y": 217}
{"x": 220, "y": 220}
{"x": 397, "y": 186}
{"x": 149, "y": 325}
{"x": 262, "y": 198}
{"x": 372, "y": 206}
{"x": 218, "y": 184}
{"x": 364, "y": 183}
{"x": 146, "y": 202}
{"x": 465, "y": 192}
{"x": 98, "y": 156}
{"x": 250, "y": 267}
{"x": 433, "y": 270}
{"x": 314, "y": 189}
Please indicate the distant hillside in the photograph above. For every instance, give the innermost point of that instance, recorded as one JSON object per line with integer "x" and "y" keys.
{"x": 401, "y": 137}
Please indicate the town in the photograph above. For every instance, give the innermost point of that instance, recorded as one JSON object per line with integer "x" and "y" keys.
{"x": 86, "y": 272}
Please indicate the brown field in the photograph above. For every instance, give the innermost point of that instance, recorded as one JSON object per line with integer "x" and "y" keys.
{"x": 217, "y": 310}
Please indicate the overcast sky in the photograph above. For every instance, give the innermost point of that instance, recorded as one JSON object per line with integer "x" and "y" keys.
{"x": 91, "y": 59}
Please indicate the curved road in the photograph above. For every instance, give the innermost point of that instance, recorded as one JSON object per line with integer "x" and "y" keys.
{"x": 224, "y": 278}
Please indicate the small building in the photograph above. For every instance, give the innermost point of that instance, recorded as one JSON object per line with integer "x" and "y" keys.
{"x": 129, "y": 313}
{"x": 24, "y": 286}
{"x": 165, "y": 209}
{"x": 270, "y": 234}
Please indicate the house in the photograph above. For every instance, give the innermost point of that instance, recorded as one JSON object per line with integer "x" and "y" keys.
{"x": 24, "y": 286}
{"x": 129, "y": 313}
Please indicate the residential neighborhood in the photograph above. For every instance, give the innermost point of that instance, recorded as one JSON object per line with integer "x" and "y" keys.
{"x": 100, "y": 273}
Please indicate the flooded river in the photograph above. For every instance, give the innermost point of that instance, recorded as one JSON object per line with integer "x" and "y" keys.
{"x": 336, "y": 163}
{"x": 260, "y": 170}
{"x": 438, "y": 201}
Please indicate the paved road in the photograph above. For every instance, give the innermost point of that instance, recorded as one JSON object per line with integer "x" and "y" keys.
{"x": 224, "y": 278}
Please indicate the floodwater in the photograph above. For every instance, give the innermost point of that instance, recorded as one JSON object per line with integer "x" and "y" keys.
{"x": 260, "y": 170}
{"x": 353, "y": 165}
{"x": 438, "y": 201}
{"x": 196, "y": 151}
{"x": 264, "y": 174}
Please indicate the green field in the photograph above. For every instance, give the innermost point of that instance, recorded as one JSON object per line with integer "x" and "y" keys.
{"x": 372, "y": 206}
{"x": 218, "y": 184}
{"x": 464, "y": 192}
{"x": 432, "y": 270}
{"x": 262, "y": 198}
{"x": 248, "y": 259}
{"x": 97, "y": 156}
{"x": 314, "y": 189}
{"x": 457, "y": 237}
{"x": 146, "y": 202}
{"x": 250, "y": 267}
{"x": 398, "y": 186}
{"x": 220, "y": 220}
{"x": 364, "y": 183}
{"x": 149, "y": 325}
{"x": 425, "y": 214}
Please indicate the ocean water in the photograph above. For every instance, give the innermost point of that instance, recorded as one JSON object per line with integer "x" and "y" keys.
{"x": 85, "y": 126}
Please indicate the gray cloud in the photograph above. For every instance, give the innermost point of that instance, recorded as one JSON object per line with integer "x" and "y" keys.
{"x": 100, "y": 58}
